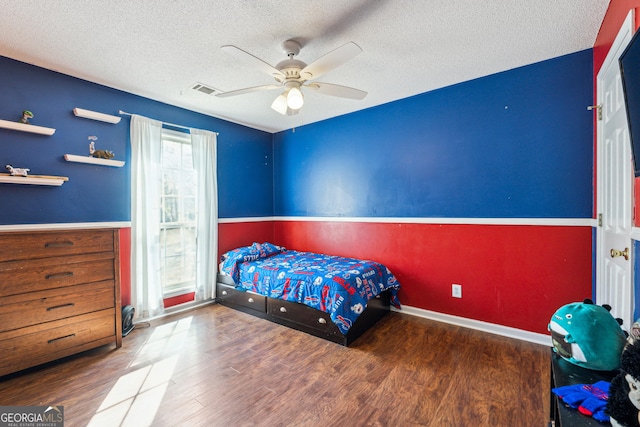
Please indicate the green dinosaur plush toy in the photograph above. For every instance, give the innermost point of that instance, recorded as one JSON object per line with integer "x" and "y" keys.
{"x": 587, "y": 335}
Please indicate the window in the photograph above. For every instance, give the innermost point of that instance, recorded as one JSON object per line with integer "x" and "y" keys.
{"x": 179, "y": 214}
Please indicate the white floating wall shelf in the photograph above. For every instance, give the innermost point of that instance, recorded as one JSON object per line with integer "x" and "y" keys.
{"x": 26, "y": 128}
{"x": 33, "y": 179}
{"x": 93, "y": 160}
{"x": 93, "y": 115}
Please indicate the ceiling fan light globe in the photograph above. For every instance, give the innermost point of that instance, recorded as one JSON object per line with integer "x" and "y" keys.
{"x": 295, "y": 100}
{"x": 280, "y": 104}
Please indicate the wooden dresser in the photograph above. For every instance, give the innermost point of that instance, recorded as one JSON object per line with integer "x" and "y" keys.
{"x": 59, "y": 295}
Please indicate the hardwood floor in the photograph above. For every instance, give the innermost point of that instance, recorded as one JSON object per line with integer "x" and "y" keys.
{"x": 218, "y": 367}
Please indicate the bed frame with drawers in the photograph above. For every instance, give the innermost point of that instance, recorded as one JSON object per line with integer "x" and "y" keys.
{"x": 299, "y": 316}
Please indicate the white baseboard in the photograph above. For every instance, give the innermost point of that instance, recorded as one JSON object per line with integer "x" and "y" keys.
{"x": 491, "y": 328}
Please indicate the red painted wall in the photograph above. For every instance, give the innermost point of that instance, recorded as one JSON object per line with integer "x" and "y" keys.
{"x": 515, "y": 276}
{"x": 498, "y": 266}
{"x": 233, "y": 235}
{"x": 125, "y": 266}
{"x": 180, "y": 299}
{"x": 613, "y": 19}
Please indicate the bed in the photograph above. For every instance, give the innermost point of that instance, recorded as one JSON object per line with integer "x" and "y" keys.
{"x": 332, "y": 297}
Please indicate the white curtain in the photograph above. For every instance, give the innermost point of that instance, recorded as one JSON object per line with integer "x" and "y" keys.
{"x": 146, "y": 149}
{"x": 204, "y": 162}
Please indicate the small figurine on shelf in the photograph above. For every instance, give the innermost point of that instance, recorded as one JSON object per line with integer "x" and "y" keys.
{"x": 101, "y": 154}
{"x": 17, "y": 171}
{"x": 26, "y": 115}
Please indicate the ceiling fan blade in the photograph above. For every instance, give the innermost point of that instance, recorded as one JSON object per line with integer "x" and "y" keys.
{"x": 251, "y": 60}
{"x": 331, "y": 60}
{"x": 337, "y": 90}
{"x": 247, "y": 90}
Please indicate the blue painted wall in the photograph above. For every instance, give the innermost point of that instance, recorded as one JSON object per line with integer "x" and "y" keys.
{"x": 98, "y": 193}
{"x": 513, "y": 144}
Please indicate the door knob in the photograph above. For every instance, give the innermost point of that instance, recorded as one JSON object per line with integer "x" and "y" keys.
{"x": 616, "y": 253}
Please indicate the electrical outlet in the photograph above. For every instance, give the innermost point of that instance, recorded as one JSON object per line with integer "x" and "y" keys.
{"x": 456, "y": 290}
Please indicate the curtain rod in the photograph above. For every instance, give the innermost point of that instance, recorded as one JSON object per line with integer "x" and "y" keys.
{"x": 165, "y": 123}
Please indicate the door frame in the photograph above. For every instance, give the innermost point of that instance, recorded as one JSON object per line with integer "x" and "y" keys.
{"x": 622, "y": 40}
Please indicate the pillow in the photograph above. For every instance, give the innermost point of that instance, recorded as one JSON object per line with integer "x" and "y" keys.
{"x": 267, "y": 249}
{"x": 231, "y": 259}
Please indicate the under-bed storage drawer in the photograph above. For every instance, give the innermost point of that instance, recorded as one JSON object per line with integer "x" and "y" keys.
{"x": 229, "y": 295}
{"x": 302, "y": 315}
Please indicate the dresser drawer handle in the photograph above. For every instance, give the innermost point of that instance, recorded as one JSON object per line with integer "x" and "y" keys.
{"x": 60, "y": 306}
{"x": 283, "y": 309}
{"x": 58, "y": 244}
{"x": 322, "y": 320}
{"x": 60, "y": 338}
{"x": 251, "y": 300}
{"x": 224, "y": 292}
{"x": 59, "y": 275}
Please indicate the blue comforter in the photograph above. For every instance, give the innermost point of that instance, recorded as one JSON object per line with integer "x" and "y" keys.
{"x": 336, "y": 285}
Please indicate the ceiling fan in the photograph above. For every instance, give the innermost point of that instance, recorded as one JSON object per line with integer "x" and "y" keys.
{"x": 293, "y": 74}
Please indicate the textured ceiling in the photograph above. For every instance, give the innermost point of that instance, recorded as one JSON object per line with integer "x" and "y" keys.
{"x": 160, "y": 48}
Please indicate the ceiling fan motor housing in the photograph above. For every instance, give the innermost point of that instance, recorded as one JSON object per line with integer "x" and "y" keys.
{"x": 291, "y": 48}
{"x": 291, "y": 67}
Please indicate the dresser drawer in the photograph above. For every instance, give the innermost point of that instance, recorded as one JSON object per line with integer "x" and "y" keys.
{"x": 42, "y": 343}
{"x": 31, "y": 308}
{"x": 16, "y": 246}
{"x": 48, "y": 273}
{"x": 229, "y": 294}
{"x": 302, "y": 315}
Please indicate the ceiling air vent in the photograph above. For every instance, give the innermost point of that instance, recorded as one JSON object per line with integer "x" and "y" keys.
{"x": 207, "y": 90}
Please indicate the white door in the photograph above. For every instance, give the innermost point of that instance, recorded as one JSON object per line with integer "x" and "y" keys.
{"x": 614, "y": 278}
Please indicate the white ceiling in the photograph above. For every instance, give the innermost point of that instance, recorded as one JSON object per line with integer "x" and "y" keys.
{"x": 160, "y": 48}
